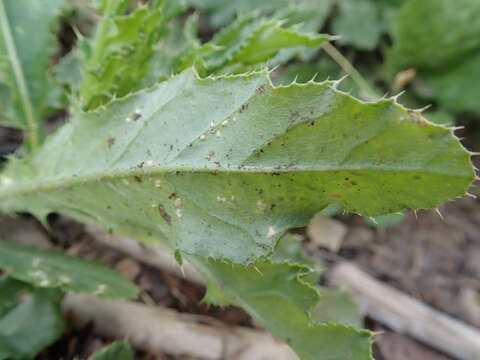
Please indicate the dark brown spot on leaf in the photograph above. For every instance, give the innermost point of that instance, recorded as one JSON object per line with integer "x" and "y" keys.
{"x": 243, "y": 107}
{"x": 260, "y": 89}
{"x": 110, "y": 142}
{"x": 164, "y": 214}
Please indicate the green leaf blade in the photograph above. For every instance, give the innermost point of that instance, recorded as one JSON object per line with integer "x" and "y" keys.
{"x": 248, "y": 41}
{"x": 120, "y": 54}
{"x": 289, "y": 249}
{"x": 447, "y": 64}
{"x": 11, "y": 290}
{"x": 414, "y": 20}
{"x": 118, "y": 350}
{"x": 222, "y": 167}
{"x": 269, "y": 38}
{"x": 53, "y": 269}
{"x": 337, "y": 305}
{"x": 361, "y": 23}
{"x": 274, "y": 294}
{"x": 25, "y": 89}
{"x": 20, "y": 337}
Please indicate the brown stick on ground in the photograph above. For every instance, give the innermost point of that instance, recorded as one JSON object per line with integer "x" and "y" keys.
{"x": 406, "y": 315}
{"x": 150, "y": 255}
{"x": 160, "y": 330}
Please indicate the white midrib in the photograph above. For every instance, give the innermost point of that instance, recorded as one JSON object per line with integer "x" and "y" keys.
{"x": 32, "y": 134}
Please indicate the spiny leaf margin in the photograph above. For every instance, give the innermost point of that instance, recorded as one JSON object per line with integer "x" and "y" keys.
{"x": 284, "y": 306}
{"x": 201, "y": 189}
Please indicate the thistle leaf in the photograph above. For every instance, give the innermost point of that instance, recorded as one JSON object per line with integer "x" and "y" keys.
{"x": 289, "y": 249}
{"x": 457, "y": 87}
{"x": 284, "y": 306}
{"x": 337, "y": 305}
{"x": 26, "y": 92}
{"x": 223, "y": 12}
{"x": 118, "y": 350}
{"x": 20, "y": 337}
{"x": 361, "y": 23}
{"x": 53, "y": 269}
{"x": 119, "y": 54}
{"x": 412, "y": 49}
{"x": 111, "y": 7}
{"x": 311, "y": 13}
{"x": 10, "y": 294}
{"x": 222, "y": 167}
{"x": 246, "y": 42}
{"x": 181, "y": 38}
{"x": 448, "y": 67}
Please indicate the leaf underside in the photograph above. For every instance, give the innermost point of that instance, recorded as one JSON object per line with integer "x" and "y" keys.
{"x": 222, "y": 167}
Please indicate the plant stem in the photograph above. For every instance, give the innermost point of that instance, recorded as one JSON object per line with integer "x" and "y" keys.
{"x": 367, "y": 92}
{"x": 32, "y": 133}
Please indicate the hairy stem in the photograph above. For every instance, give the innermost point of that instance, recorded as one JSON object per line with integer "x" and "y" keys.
{"x": 366, "y": 90}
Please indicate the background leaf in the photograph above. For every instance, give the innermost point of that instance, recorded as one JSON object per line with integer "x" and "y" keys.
{"x": 385, "y": 220}
{"x": 117, "y": 350}
{"x": 274, "y": 294}
{"x": 181, "y": 39}
{"x": 117, "y": 59}
{"x": 26, "y": 93}
{"x": 361, "y": 23}
{"x": 46, "y": 268}
{"x": 248, "y": 41}
{"x": 447, "y": 60}
{"x": 111, "y": 7}
{"x": 10, "y": 292}
{"x": 337, "y": 305}
{"x": 289, "y": 249}
{"x": 223, "y": 12}
{"x": 32, "y": 324}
